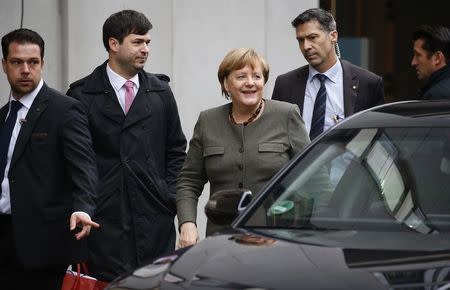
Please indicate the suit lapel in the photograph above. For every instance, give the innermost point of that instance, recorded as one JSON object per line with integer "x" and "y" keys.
{"x": 140, "y": 109}
{"x": 37, "y": 108}
{"x": 3, "y": 112}
{"x": 105, "y": 97}
{"x": 351, "y": 86}
{"x": 145, "y": 98}
{"x": 111, "y": 107}
{"x": 300, "y": 87}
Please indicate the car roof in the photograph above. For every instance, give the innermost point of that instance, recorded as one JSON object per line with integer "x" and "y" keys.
{"x": 401, "y": 114}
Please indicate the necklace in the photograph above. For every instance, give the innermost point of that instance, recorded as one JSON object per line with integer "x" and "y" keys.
{"x": 252, "y": 117}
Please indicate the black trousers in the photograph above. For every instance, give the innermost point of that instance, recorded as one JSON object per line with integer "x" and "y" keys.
{"x": 14, "y": 275}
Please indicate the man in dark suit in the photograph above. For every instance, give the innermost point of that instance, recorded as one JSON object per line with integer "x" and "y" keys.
{"x": 140, "y": 150}
{"x": 347, "y": 88}
{"x": 48, "y": 172}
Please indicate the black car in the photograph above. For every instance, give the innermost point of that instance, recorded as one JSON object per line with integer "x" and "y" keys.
{"x": 365, "y": 206}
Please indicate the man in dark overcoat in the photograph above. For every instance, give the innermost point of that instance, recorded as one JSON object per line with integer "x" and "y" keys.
{"x": 140, "y": 148}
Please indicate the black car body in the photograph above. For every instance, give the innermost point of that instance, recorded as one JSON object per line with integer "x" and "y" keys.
{"x": 365, "y": 206}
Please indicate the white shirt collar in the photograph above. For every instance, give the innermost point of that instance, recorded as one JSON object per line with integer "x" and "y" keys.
{"x": 332, "y": 73}
{"x": 117, "y": 81}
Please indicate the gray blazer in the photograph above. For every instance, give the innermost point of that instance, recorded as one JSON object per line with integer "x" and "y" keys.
{"x": 236, "y": 156}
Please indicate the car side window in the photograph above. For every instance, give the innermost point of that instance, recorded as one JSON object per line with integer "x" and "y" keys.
{"x": 373, "y": 178}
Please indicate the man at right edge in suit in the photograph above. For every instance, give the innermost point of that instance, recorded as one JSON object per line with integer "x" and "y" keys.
{"x": 349, "y": 88}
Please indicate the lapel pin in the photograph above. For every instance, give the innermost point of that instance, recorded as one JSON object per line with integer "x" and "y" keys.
{"x": 354, "y": 87}
{"x": 22, "y": 121}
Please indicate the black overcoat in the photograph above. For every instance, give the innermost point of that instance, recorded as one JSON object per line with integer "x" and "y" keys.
{"x": 139, "y": 156}
{"x": 52, "y": 174}
{"x": 437, "y": 86}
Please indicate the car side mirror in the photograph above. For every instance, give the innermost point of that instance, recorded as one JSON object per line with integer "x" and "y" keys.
{"x": 225, "y": 205}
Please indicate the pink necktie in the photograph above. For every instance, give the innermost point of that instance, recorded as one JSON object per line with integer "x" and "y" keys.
{"x": 129, "y": 95}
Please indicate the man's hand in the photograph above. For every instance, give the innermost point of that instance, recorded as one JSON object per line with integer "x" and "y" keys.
{"x": 188, "y": 234}
{"x": 83, "y": 219}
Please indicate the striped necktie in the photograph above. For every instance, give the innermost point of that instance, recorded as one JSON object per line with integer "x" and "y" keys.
{"x": 318, "y": 117}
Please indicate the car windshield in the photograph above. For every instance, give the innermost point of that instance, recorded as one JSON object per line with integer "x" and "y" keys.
{"x": 374, "y": 179}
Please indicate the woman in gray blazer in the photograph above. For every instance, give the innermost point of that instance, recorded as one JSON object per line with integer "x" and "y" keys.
{"x": 238, "y": 145}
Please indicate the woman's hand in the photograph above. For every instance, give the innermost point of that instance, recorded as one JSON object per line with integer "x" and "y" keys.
{"x": 188, "y": 234}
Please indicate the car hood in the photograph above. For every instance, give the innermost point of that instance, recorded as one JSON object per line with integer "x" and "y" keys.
{"x": 239, "y": 262}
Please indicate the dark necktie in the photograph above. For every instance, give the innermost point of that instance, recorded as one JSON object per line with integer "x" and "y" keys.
{"x": 318, "y": 117}
{"x": 5, "y": 135}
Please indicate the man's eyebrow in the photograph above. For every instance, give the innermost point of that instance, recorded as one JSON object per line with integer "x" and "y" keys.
{"x": 310, "y": 34}
{"x": 23, "y": 58}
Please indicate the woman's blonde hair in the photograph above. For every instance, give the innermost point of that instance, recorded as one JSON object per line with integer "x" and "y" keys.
{"x": 238, "y": 58}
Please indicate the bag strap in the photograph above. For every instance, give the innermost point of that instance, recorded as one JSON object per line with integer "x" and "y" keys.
{"x": 84, "y": 267}
{"x": 78, "y": 270}
{"x": 78, "y": 278}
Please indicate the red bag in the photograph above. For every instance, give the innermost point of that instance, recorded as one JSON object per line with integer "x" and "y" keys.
{"x": 77, "y": 281}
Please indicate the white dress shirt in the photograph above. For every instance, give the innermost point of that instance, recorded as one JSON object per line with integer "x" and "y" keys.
{"x": 26, "y": 101}
{"x": 117, "y": 82}
{"x": 335, "y": 96}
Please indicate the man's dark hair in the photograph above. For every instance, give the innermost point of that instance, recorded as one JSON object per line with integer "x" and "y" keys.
{"x": 22, "y": 36}
{"x": 123, "y": 23}
{"x": 325, "y": 19}
{"x": 435, "y": 38}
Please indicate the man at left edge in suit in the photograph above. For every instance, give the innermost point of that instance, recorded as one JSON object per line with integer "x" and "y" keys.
{"x": 48, "y": 171}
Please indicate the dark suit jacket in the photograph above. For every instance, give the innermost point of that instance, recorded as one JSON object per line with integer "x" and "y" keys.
{"x": 52, "y": 174}
{"x": 139, "y": 156}
{"x": 362, "y": 89}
